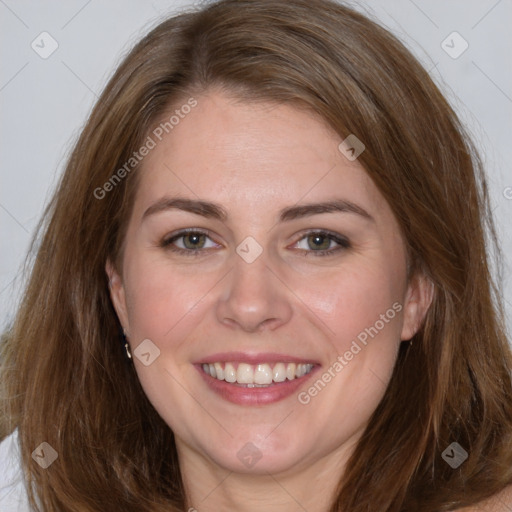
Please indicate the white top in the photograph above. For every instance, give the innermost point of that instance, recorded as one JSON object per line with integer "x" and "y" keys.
{"x": 13, "y": 495}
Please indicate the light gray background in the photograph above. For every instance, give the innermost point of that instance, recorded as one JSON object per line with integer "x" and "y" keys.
{"x": 44, "y": 102}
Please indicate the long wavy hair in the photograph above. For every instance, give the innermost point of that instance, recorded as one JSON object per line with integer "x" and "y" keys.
{"x": 64, "y": 377}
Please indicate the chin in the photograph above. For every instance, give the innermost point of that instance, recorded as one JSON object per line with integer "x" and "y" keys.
{"x": 255, "y": 453}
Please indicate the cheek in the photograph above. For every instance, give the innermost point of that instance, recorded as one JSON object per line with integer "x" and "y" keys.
{"x": 362, "y": 308}
{"x": 351, "y": 302}
{"x": 159, "y": 297}
{"x": 164, "y": 306}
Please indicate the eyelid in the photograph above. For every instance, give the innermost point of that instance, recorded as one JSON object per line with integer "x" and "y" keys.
{"x": 176, "y": 234}
{"x": 327, "y": 232}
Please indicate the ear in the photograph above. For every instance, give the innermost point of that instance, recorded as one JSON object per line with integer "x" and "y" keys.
{"x": 419, "y": 295}
{"x": 117, "y": 295}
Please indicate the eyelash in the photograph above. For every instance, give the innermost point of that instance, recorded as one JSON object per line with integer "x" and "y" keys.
{"x": 343, "y": 243}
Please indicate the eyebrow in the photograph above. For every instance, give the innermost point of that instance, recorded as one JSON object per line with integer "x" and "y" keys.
{"x": 215, "y": 211}
{"x": 203, "y": 208}
{"x": 336, "y": 205}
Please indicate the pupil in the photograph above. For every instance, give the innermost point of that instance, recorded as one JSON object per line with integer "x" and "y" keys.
{"x": 193, "y": 241}
{"x": 319, "y": 241}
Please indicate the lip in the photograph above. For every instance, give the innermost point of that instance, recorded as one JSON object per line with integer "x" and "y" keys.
{"x": 254, "y": 396}
{"x": 253, "y": 358}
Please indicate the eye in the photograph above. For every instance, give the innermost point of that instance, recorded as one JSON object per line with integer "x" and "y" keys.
{"x": 322, "y": 243}
{"x": 189, "y": 241}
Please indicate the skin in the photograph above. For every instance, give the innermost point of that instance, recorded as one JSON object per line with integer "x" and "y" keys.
{"x": 255, "y": 159}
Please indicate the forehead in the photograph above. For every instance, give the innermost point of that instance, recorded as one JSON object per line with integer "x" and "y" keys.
{"x": 251, "y": 155}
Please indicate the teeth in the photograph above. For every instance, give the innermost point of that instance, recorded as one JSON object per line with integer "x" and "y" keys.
{"x": 229, "y": 373}
{"x": 279, "y": 373}
{"x": 259, "y": 375}
{"x": 219, "y": 371}
{"x": 263, "y": 374}
{"x": 245, "y": 374}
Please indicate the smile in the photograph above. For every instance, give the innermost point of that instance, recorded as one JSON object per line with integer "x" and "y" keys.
{"x": 256, "y": 375}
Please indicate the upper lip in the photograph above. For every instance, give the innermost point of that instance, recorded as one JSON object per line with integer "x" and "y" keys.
{"x": 252, "y": 358}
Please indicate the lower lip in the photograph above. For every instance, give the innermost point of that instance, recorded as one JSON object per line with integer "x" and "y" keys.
{"x": 254, "y": 396}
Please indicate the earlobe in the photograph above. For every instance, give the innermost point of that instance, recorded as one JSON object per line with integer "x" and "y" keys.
{"x": 117, "y": 294}
{"x": 420, "y": 293}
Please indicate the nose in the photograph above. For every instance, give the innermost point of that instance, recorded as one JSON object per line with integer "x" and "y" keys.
{"x": 254, "y": 298}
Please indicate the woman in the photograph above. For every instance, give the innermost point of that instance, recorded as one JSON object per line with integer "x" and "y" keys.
{"x": 262, "y": 284}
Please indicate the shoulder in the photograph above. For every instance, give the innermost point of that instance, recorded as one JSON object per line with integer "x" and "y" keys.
{"x": 500, "y": 502}
{"x": 13, "y": 496}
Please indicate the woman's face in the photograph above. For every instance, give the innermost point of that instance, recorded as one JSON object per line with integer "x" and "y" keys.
{"x": 291, "y": 282}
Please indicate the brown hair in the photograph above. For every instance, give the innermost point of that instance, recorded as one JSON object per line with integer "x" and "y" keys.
{"x": 65, "y": 379}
